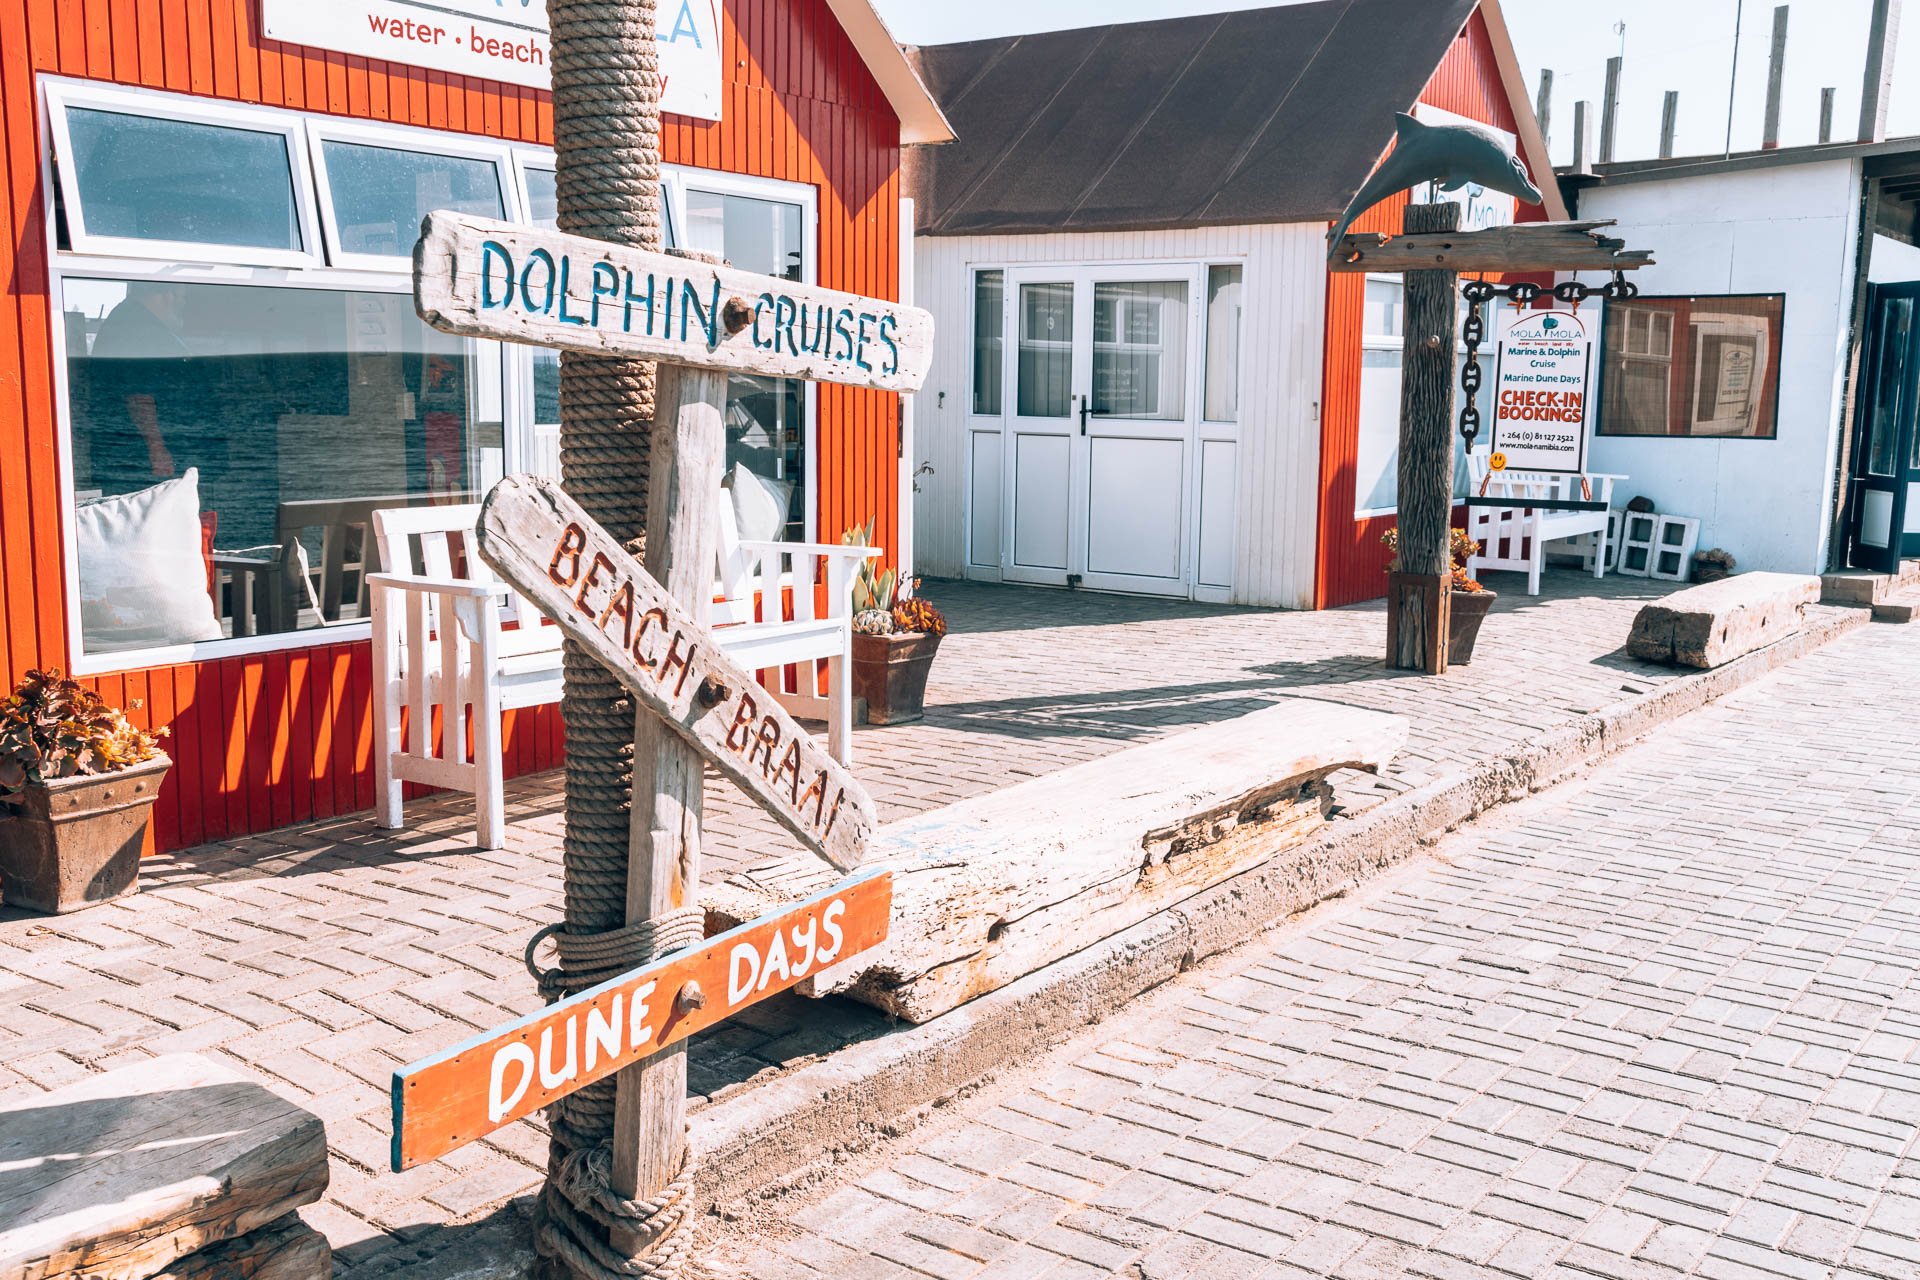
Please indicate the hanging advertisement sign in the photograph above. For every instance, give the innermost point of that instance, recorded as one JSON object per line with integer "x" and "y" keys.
{"x": 1541, "y": 408}
{"x": 499, "y": 40}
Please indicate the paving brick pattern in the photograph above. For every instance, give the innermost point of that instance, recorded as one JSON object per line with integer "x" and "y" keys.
{"x": 1663, "y": 1024}
{"x": 321, "y": 957}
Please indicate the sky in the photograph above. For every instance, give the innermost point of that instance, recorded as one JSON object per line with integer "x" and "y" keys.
{"x": 1668, "y": 44}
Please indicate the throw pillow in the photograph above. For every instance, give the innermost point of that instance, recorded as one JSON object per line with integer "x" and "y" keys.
{"x": 143, "y": 582}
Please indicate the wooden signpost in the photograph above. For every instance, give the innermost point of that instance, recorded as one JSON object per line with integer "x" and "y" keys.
{"x": 512, "y": 1071}
{"x": 700, "y": 319}
{"x": 1432, "y": 251}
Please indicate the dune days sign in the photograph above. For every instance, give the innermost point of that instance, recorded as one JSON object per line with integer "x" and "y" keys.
{"x": 500, "y": 40}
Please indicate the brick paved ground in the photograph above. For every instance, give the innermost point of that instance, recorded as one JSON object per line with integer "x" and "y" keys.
{"x": 322, "y": 957}
{"x": 1661, "y": 1023}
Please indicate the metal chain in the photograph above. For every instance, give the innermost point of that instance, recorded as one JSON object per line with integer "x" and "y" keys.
{"x": 1473, "y": 331}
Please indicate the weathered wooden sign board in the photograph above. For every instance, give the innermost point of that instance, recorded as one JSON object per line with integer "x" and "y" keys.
{"x": 472, "y": 1089}
{"x": 544, "y": 543}
{"x": 493, "y": 279}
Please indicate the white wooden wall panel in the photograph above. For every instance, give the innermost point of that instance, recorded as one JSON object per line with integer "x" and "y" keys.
{"x": 1274, "y": 452}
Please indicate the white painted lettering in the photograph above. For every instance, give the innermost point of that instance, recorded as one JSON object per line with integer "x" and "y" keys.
{"x": 500, "y": 1105}
{"x": 638, "y": 1032}
{"x": 776, "y": 958}
{"x": 603, "y": 1033}
{"x": 739, "y": 988}
{"x": 549, "y": 1078}
{"x": 838, "y": 907}
{"x": 803, "y": 951}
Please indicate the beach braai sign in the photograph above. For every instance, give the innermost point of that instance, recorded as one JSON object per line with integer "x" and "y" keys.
{"x": 1540, "y": 402}
{"x": 492, "y": 279}
{"x": 545, "y": 544}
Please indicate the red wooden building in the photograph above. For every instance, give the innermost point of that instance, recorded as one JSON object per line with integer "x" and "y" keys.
{"x": 210, "y": 329}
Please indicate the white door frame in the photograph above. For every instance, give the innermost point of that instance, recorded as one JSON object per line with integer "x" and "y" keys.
{"x": 1081, "y": 429}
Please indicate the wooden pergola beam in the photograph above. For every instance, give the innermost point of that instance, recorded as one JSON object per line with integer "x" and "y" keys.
{"x": 1524, "y": 246}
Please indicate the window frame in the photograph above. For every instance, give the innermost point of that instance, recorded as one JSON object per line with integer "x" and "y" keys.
{"x": 402, "y": 138}
{"x": 60, "y": 95}
{"x": 1207, "y": 269}
{"x": 1398, "y": 343}
{"x": 1776, "y": 350}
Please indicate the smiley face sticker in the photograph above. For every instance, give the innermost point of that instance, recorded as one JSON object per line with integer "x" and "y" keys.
{"x": 1498, "y": 462}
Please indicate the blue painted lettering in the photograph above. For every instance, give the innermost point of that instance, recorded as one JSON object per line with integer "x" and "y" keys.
{"x": 566, "y": 267}
{"x": 841, "y": 332}
{"x": 611, "y": 291}
{"x": 816, "y": 345}
{"x": 887, "y": 323}
{"x": 708, "y": 317}
{"x": 632, "y": 298}
{"x": 489, "y": 250}
{"x": 784, "y": 311}
{"x": 860, "y": 351}
{"x": 760, "y": 304}
{"x": 682, "y": 23}
{"x": 526, "y": 290}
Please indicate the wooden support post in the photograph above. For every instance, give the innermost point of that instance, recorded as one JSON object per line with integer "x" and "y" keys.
{"x": 1883, "y": 35}
{"x": 1669, "y": 120}
{"x": 1582, "y": 138}
{"x": 663, "y": 869}
{"x": 1776, "y": 71}
{"x": 1418, "y": 600}
{"x": 1826, "y": 115}
{"x": 1543, "y": 106}
{"x": 1609, "y": 109}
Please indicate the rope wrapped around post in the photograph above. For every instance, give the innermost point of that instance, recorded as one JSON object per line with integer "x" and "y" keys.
{"x": 606, "y": 127}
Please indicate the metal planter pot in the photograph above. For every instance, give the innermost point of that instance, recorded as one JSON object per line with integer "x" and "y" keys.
{"x": 890, "y": 673}
{"x": 75, "y": 842}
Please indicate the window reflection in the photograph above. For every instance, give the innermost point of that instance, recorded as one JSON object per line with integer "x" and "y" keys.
{"x": 380, "y": 194}
{"x": 296, "y": 412}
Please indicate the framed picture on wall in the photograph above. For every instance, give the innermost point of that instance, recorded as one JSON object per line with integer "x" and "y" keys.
{"x": 1704, "y": 366}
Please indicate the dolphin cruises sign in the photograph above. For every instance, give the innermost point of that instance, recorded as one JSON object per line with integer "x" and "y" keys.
{"x": 499, "y": 40}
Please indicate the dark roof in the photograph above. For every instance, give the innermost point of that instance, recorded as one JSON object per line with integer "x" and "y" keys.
{"x": 1265, "y": 115}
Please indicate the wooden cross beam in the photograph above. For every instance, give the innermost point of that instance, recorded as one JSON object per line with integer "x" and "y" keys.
{"x": 1523, "y": 246}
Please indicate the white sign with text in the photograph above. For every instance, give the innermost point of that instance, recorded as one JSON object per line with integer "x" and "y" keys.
{"x": 500, "y": 40}
{"x": 1540, "y": 404}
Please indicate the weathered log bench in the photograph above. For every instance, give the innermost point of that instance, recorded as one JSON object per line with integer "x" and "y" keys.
{"x": 995, "y": 887}
{"x": 1716, "y": 622}
{"x": 180, "y": 1167}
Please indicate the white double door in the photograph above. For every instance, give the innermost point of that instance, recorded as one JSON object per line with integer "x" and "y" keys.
{"x": 1104, "y": 370}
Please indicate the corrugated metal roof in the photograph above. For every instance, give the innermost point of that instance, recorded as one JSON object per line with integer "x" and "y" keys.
{"x": 1264, "y": 115}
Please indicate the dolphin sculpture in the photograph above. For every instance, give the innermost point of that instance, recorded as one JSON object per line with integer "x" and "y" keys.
{"x": 1452, "y": 154}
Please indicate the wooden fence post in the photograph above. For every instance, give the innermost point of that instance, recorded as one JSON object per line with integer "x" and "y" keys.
{"x": 1418, "y": 593}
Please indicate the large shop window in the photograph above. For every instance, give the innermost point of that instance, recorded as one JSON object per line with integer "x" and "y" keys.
{"x": 229, "y": 442}
{"x": 246, "y": 380}
{"x": 1377, "y": 455}
{"x": 1695, "y": 366}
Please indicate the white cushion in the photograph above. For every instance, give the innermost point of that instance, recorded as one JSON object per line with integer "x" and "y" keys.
{"x": 759, "y": 504}
{"x": 143, "y": 582}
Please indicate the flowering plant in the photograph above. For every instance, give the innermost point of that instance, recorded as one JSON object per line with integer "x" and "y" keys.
{"x": 52, "y": 727}
{"x": 1460, "y": 549}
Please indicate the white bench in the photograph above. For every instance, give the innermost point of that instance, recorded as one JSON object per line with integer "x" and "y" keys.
{"x": 774, "y": 611}
{"x": 1517, "y": 537}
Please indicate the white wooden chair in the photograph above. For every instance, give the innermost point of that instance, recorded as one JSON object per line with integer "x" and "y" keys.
{"x": 1517, "y": 537}
{"x": 447, "y": 634}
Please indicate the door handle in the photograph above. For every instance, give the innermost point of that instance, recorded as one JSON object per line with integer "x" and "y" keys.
{"x": 1086, "y": 407}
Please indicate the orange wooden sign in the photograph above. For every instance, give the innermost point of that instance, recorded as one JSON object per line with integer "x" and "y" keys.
{"x": 472, "y": 1089}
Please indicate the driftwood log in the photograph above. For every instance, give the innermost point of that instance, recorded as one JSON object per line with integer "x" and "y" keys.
{"x": 1716, "y": 622}
{"x": 118, "y": 1176}
{"x": 993, "y": 888}
{"x": 284, "y": 1249}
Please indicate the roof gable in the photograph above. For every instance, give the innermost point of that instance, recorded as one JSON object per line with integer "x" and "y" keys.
{"x": 1260, "y": 115}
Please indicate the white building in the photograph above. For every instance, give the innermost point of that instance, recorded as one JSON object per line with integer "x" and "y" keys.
{"x": 1764, "y": 380}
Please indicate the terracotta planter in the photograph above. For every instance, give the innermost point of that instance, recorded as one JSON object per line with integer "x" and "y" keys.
{"x": 1465, "y": 612}
{"x": 76, "y": 842}
{"x": 890, "y": 672}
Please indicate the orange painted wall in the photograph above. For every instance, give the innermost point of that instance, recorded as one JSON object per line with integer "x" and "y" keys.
{"x": 267, "y": 740}
{"x": 1352, "y": 564}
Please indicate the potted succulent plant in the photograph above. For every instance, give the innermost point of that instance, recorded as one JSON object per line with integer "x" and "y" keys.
{"x": 1470, "y": 601}
{"x": 77, "y": 785}
{"x": 895, "y": 637}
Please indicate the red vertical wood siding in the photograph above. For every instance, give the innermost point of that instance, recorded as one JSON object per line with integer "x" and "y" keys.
{"x": 276, "y": 738}
{"x": 1352, "y": 564}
